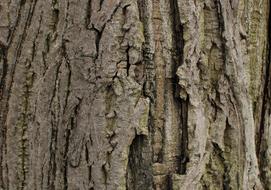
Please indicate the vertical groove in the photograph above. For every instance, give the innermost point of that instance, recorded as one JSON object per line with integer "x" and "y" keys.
{"x": 262, "y": 146}
{"x": 3, "y": 59}
{"x": 182, "y": 104}
{"x": 266, "y": 92}
{"x": 139, "y": 176}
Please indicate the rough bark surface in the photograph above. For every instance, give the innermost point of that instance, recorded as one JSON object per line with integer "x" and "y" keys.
{"x": 135, "y": 94}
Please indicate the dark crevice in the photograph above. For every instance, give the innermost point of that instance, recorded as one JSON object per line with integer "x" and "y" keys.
{"x": 177, "y": 34}
{"x": 147, "y": 56}
{"x": 169, "y": 182}
{"x": 266, "y": 90}
{"x": 55, "y": 19}
{"x": 226, "y": 176}
{"x": 47, "y": 43}
{"x": 55, "y": 84}
{"x": 138, "y": 174}
{"x": 128, "y": 60}
{"x": 160, "y": 154}
{"x": 54, "y": 133}
{"x": 3, "y": 61}
{"x": 124, "y": 10}
{"x": 18, "y": 19}
{"x": 88, "y": 13}
{"x": 52, "y": 161}
{"x": 101, "y": 5}
{"x": 22, "y": 2}
{"x": 99, "y": 32}
{"x": 114, "y": 12}
{"x": 67, "y": 61}
{"x": 88, "y": 163}
{"x": 265, "y": 106}
{"x": 221, "y": 26}
{"x": 148, "y": 92}
{"x": 182, "y": 104}
{"x": 35, "y": 39}
{"x": 65, "y": 172}
{"x": 31, "y": 13}
{"x": 261, "y": 145}
{"x": 184, "y": 157}
{"x": 141, "y": 5}
{"x": 98, "y": 38}
{"x": 105, "y": 175}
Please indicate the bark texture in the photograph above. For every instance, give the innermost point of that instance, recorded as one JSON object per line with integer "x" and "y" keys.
{"x": 135, "y": 94}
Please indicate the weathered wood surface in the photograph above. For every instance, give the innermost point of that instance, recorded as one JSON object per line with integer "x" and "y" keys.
{"x": 126, "y": 94}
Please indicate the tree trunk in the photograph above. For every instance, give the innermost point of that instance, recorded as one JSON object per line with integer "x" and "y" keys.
{"x": 136, "y": 95}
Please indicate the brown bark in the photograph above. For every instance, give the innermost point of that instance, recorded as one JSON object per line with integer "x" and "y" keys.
{"x": 125, "y": 94}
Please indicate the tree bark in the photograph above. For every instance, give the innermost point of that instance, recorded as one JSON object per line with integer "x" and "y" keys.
{"x": 138, "y": 95}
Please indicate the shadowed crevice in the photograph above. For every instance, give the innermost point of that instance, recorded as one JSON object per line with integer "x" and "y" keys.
{"x": 182, "y": 104}
{"x": 262, "y": 146}
{"x": 139, "y": 175}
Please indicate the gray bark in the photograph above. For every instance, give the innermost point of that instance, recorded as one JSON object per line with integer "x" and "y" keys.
{"x": 138, "y": 95}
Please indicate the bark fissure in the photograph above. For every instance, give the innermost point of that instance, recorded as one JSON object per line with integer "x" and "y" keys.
{"x": 262, "y": 145}
{"x": 3, "y": 130}
{"x": 182, "y": 104}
